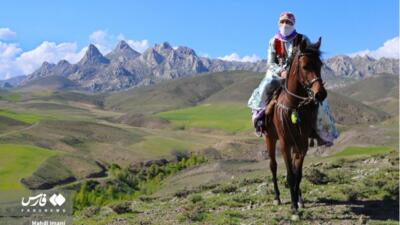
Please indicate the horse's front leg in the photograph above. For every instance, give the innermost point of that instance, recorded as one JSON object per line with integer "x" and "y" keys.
{"x": 291, "y": 178}
{"x": 271, "y": 144}
{"x": 298, "y": 159}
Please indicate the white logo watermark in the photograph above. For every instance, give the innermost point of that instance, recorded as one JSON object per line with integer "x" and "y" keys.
{"x": 41, "y": 200}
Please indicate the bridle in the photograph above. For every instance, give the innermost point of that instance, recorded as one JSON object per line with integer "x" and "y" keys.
{"x": 305, "y": 84}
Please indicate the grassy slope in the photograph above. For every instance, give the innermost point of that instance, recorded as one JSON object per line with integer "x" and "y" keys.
{"x": 234, "y": 192}
{"x": 75, "y": 123}
{"x": 9, "y": 96}
{"x": 380, "y": 91}
{"x": 373, "y": 88}
{"x": 348, "y": 111}
{"x": 18, "y": 161}
{"x": 180, "y": 93}
{"x": 229, "y": 117}
{"x": 20, "y": 116}
{"x": 48, "y": 83}
{"x": 356, "y": 151}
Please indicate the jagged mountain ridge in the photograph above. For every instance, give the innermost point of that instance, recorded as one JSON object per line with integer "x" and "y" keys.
{"x": 124, "y": 67}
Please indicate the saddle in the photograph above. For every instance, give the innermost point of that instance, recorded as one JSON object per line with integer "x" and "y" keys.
{"x": 269, "y": 108}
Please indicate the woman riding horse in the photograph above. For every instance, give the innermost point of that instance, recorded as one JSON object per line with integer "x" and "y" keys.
{"x": 303, "y": 91}
{"x": 301, "y": 108}
{"x": 280, "y": 48}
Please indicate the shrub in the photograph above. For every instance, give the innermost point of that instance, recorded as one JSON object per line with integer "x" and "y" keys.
{"x": 229, "y": 188}
{"x": 182, "y": 193}
{"x": 315, "y": 176}
{"x": 125, "y": 184}
{"x": 120, "y": 208}
{"x": 195, "y": 212}
{"x": 248, "y": 181}
{"x": 196, "y": 198}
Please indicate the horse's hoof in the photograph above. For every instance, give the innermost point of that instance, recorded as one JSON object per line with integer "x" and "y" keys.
{"x": 295, "y": 217}
{"x": 277, "y": 202}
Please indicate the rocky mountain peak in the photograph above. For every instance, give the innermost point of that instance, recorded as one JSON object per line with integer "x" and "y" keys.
{"x": 366, "y": 58}
{"x": 152, "y": 57}
{"x": 46, "y": 65}
{"x": 163, "y": 48}
{"x": 185, "y": 51}
{"x": 44, "y": 70}
{"x": 93, "y": 56}
{"x": 165, "y": 45}
{"x": 122, "y": 45}
{"x": 123, "y": 52}
{"x": 63, "y": 62}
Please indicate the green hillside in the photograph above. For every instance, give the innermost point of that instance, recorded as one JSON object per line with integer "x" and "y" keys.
{"x": 349, "y": 111}
{"x": 229, "y": 117}
{"x": 380, "y": 91}
{"x": 373, "y": 88}
{"x": 49, "y": 83}
{"x": 18, "y": 161}
{"x": 183, "y": 92}
{"x": 222, "y": 90}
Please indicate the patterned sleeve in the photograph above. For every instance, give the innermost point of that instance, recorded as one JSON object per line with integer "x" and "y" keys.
{"x": 272, "y": 66}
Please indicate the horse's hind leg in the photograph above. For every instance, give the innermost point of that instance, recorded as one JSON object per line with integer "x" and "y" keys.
{"x": 271, "y": 144}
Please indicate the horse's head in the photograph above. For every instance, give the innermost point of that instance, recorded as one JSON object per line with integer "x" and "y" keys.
{"x": 309, "y": 70}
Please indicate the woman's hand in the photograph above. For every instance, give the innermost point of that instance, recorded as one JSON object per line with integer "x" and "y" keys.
{"x": 284, "y": 74}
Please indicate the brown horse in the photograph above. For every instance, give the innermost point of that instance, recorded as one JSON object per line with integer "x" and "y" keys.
{"x": 302, "y": 91}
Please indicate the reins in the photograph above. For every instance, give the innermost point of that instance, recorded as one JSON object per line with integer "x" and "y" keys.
{"x": 304, "y": 100}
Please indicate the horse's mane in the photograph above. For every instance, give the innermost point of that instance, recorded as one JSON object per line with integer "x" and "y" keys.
{"x": 313, "y": 51}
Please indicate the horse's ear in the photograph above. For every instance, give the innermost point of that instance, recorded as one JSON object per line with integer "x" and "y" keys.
{"x": 303, "y": 45}
{"x": 318, "y": 44}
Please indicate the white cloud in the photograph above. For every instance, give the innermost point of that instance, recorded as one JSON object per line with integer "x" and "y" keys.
{"x": 8, "y": 53}
{"x": 7, "y": 34}
{"x": 14, "y": 61}
{"x": 8, "y": 50}
{"x": 390, "y": 49}
{"x": 102, "y": 40}
{"x": 206, "y": 55}
{"x": 236, "y": 57}
{"x": 139, "y": 46}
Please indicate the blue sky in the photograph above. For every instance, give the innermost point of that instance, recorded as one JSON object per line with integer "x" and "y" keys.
{"x": 213, "y": 28}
